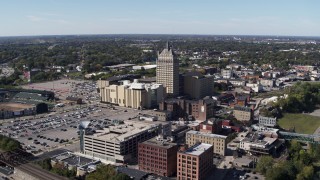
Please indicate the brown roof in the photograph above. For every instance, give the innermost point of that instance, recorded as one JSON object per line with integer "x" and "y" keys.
{"x": 14, "y": 106}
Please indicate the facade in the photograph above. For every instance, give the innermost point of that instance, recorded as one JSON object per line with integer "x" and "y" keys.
{"x": 158, "y": 156}
{"x": 198, "y": 109}
{"x": 267, "y": 82}
{"x": 237, "y": 82}
{"x": 226, "y": 73}
{"x": 212, "y": 125}
{"x": 267, "y": 121}
{"x": 218, "y": 142}
{"x": 198, "y": 86}
{"x": 133, "y": 95}
{"x": 256, "y": 87}
{"x": 162, "y": 115}
{"x": 195, "y": 163}
{"x": 119, "y": 142}
{"x": 168, "y": 71}
{"x": 242, "y": 113}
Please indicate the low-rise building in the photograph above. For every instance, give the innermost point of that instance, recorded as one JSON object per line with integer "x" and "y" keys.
{"x": 237, "y": 82}
{"x": 83, "y": 165}
{"x": 259, "y": 144}
{"x": 218, "y": 142}
{"x": 158, "y": 156}
{"x": 267, "y": 82}
{"x": 242, "y": 113}
{"x": 195, "y": 163}
{"x": 227, "y": 73}
{"x": 211, "y": 125}
{"x": 267, "y": 121}
{"x": 162, "y": 115}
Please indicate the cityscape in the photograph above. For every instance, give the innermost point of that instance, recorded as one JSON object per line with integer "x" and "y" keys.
{"x": 125, "y": 99}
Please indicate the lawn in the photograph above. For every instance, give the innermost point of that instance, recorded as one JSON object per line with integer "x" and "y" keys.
{"x": 302, "y": 123}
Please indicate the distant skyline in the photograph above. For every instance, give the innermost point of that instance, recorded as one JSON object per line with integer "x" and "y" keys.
{"x": 211, "y": 17}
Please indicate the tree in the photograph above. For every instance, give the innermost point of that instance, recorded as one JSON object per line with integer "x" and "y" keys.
{"x": 104, "y": 172}
{"x": 264, "y": 163}
{"x": 306, "y": 173}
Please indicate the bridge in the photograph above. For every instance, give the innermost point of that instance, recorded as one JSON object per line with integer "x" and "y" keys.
{"x": 308, "y": 138}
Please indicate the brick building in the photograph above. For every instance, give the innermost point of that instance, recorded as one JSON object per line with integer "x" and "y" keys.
{"x": 195, "y": 163}
{"x": 158, "y": 156}
{"x": 212, "y": 125}
{"x": 198, "y": 109}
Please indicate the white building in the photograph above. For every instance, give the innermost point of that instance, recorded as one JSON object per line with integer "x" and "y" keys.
{"x": 256, "y": 87}
{"x": 226, "y": 73}
{"x": 267, "y": 121}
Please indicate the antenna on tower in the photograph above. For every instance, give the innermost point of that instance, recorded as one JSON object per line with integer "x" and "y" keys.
{"x": 167, "y": 45}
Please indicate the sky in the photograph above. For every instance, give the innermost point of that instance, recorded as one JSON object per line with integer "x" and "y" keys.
{"x": 212, "y": 17}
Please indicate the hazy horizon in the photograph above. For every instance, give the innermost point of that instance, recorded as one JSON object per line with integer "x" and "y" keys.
{"x": 205, "y": 17}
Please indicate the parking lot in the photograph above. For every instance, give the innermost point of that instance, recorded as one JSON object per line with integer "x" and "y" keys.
{"x": 87, "y": 90}
{"x": 49, "y": 131}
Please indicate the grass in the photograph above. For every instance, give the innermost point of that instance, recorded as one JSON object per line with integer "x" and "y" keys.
{"x": 302, "y": 123}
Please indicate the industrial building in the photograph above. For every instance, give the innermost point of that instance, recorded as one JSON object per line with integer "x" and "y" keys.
{"x": 195, "y": 162}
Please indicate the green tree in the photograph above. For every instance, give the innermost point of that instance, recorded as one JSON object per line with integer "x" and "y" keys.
{"x": 104, "y": 172}
{"x": 264, "y": 163}
{"x": 306, "y": 173}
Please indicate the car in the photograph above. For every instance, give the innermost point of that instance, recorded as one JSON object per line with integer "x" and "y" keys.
{"x": 30, "y": 138}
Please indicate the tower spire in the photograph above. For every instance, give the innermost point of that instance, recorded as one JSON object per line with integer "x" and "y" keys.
{"x": 167, "y": 45}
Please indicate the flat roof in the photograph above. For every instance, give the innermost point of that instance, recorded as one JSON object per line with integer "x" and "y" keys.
{"x": 162, "y": 143}
{"x": 15, "y": 106}
{"x": 120, "y": 65}
{"x": 121, "y": 132}
{"x": 198, "y": 149}
{"x": 207, "y": 134}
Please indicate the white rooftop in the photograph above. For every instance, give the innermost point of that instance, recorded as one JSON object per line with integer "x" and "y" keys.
{"x": 198, "y": 149}
{"x": 207, "y": 134}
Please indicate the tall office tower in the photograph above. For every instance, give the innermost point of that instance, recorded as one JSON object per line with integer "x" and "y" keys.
{"x": 168, "y": 71}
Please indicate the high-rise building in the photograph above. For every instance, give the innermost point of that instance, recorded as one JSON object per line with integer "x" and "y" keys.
{"x": 198, "y": 86}
{"x": 168, "y": 71}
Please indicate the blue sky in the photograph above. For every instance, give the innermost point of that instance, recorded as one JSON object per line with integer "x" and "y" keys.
{"x": 223, "y": 17}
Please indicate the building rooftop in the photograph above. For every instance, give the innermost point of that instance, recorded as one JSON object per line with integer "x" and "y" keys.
{"x": 159, "y": 142}
{"x": 258, "y": 139}
{"x": 126, "y": 130}
{"x": 240, "y": 108}
{"x": 197, "y": 149}
{"x": 72, "y": 159}
{"x": 121, "y": 66}
{"x": 207, "y": 134}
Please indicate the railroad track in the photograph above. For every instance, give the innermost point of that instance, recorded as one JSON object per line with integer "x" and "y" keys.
{"x": 39, "y": 173}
